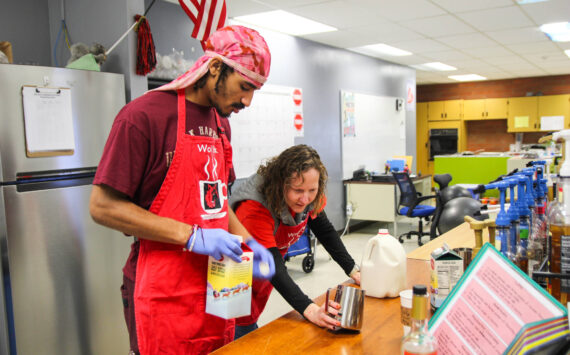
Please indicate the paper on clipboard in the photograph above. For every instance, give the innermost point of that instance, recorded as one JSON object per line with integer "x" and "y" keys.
{"x": 48, "y": 121}
{"x": 491, "y": 302}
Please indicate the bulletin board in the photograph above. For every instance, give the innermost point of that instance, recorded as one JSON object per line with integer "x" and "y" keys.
{"x": 373, "y": 130}
{"x": 265, "y": 128}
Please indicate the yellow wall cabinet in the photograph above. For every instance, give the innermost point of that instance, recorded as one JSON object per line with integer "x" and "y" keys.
{"x": 485, "y": 109}
{"x": 523, "y": 114}
{"x": 422, "y": 138}
{"x": 445, "y": 110}
{"x": 555, "y": 105}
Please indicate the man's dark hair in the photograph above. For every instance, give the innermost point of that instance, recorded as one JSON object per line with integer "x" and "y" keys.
{"x": 224, "y": 72}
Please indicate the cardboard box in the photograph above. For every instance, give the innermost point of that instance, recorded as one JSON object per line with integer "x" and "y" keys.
{"x": 446, "y": 270}
{"x": 228, "y": 292}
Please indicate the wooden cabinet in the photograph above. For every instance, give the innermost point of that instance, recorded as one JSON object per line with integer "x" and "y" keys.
{"x": 555, "y": 105}
{"x": 445, "y": 110}
{"x": 485, "y": 109}
{"x": 422, "y": 138}
{"x": 523, "y": 114}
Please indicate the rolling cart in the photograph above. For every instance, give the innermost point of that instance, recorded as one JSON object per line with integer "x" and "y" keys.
{"x": 307, "y": 244}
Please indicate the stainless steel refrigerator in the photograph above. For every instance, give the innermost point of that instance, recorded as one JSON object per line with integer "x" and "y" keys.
{"x": 61, "y": 272}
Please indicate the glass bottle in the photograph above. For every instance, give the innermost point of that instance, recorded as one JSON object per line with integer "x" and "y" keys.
{"x": 419, "y": 340}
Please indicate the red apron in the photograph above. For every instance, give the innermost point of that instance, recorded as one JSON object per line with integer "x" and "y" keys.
{"x": 261, "y": 289}
{"x": 170, "y": 288}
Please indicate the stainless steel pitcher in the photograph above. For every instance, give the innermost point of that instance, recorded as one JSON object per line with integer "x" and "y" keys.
{"x": 351, "y": 300}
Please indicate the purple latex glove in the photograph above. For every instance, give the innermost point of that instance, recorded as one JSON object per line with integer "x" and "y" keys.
{"x": 215, "y": 242}
{"x": 263, "y": 263}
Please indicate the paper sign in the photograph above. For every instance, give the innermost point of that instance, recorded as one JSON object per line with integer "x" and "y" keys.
{"x": 551, "y": 123}
{"x": 521, "y": 121}
{"x": 490, "y": 304}
{"x": 48, "y": 121}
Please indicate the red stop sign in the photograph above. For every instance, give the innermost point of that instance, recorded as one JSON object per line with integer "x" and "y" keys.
{"x": 298, "y": 121}
{"x": 297, "y": 97}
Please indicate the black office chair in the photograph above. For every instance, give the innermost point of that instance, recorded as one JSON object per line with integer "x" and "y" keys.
{"x": 409, "y": 205}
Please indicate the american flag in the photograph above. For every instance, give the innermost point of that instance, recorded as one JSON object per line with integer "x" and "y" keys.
{"x": 207, "y": 16}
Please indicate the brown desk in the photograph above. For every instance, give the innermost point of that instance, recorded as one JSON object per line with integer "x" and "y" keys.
{"x": 381, "y": 331}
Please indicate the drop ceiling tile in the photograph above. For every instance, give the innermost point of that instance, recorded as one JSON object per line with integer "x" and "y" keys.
{"x": 470, "y": 40}
{"x": 387, "y": 32}
{"x": 519, "y": 35}
{"x": 547, "y": 57}
{"x": 339, "y": 14}
{"x": 548, "y": 11}
{"x": 398, "y": 10}
{"x": 506, "y": 61}
{"x": 340, "y": 39}
{"x": 532, "y": 47}
{"x": 446, "y": 56}
{"x": 421, "y": 46}
{"x": 563, "y": 64}
{"x": 462, "y": 6}
{"x": 496, "y": 19}
{"x": 488, "y": 52}
{"x": 528, "y": 73}
{"x": 439, "y": 26}
{"x": 280, "y": 4}
{"x": 467, "y": 63}
{"x": 497, "y": 76}
{"x": 557, "y": 71}
{"x": 245, "y": 7}
{"x": 517, "y": 66}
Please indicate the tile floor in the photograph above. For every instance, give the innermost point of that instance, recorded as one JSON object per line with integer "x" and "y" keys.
{"x": 326, "y": 272}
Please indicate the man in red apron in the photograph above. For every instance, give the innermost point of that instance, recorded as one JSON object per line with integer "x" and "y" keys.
{"x": 276, "y": 205}
{"x": 163, "y": 178}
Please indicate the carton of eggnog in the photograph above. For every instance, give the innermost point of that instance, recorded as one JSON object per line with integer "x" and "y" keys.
{"x": 228, "y": 292}
{"x": 446, "y": 270}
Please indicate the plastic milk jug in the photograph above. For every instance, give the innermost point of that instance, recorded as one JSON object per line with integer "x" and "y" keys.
{"x": 383, "y": 269}
{"x": 228, "y": 293}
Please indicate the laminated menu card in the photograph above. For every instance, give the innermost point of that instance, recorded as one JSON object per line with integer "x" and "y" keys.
{"x": 490, "y": 304}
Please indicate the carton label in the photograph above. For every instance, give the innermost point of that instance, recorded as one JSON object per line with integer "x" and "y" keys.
{"x": 229, "y": 286}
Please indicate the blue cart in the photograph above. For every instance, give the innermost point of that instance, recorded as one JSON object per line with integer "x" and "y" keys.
{"x": 306, "y": 244}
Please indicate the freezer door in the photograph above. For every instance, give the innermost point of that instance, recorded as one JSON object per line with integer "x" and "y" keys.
{"x": 65, "y": 274}
{"x": 96, "y": 98}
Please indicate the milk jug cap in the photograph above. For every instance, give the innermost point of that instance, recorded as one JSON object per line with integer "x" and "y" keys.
{"x": 383, "y": 231}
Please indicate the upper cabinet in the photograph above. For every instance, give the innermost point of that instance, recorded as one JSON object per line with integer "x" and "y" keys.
{"x": 422, "y": 137}
{"x": 555, "y": 105}
{"x": 526, "y": 114}
{"x": 485, "y": 109}
{"x": 445, "y": 110}
{"x": 523, "y": 114}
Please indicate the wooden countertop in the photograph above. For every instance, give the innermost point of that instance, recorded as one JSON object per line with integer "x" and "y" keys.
{"x": 381, "y": 331}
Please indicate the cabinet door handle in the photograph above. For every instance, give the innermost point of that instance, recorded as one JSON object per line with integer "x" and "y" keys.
{"x": 446, "y": 115}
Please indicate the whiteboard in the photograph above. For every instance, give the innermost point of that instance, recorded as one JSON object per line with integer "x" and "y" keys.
{"x": 374, "y": 132}
{"x": 264, "y": 129}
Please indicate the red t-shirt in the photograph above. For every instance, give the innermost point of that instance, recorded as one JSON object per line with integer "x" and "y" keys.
{"x": 258, "y": 221}
{"x": 140, "y": 147}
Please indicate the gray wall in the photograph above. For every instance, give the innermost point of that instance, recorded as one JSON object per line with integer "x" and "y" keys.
{"x": 321, "y": 71}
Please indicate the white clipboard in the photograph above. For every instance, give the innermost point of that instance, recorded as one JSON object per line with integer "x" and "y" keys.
{"x": 48, "y": 121}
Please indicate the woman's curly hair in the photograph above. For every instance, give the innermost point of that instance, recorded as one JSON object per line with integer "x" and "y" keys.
{"x": 278, "y": 172}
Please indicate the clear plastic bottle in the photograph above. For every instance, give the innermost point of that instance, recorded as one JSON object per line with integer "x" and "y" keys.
{"x": 560, "y": 228}
{"x": 419, "y": 340}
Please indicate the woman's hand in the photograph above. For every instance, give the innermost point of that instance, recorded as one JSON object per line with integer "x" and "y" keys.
{"x": 356, "y": 277}
{"x": 318, "y": 316}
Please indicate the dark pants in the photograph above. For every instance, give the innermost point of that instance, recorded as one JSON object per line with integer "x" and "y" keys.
{"x": 128, "y": 292}
{"x": 242, "y": 330}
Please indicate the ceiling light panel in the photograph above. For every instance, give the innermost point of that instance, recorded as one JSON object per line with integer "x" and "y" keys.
{"x": 382, "y": 50}
{"x": 557, "y": 32}
{"x": 285, "y": 22}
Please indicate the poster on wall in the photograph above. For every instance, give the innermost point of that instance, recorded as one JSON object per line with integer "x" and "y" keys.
{"x": 410, "y": 95}
{"x": 347, "y": 112}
